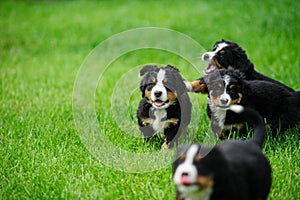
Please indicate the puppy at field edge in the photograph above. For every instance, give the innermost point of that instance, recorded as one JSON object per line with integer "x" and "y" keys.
{"x": 231, "y": 170}
{"x": 165, "y": 105}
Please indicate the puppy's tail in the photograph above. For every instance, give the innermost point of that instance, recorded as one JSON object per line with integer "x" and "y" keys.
{"x": 254, "y": 118}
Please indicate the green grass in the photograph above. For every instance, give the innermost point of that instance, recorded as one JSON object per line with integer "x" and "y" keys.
{"x": 42, "y": 46}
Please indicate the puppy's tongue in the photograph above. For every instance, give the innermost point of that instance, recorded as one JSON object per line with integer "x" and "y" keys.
{"x": 210, "y": 68}
{"x": 185, "y": 180}
{"x": 159, "y": 103}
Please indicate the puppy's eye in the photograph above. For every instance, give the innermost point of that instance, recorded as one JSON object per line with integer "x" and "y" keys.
{"x": 149, "y": 86}
{"x": 218, "y": 86}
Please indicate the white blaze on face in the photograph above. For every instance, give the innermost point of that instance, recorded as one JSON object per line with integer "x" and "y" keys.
{"x": 159, "y": 87}
{"x": 225, "y": 97}
{"x": 187, "y": 167}
{"x": 210, "y": 54}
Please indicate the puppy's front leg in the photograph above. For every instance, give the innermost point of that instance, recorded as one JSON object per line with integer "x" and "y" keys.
{"x": 172, "y": 134}
{"x": 147, "y": 131}
{"x": 197, "y": 86}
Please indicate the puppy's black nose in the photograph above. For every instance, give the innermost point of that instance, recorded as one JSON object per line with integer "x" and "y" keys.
{"x": 157, "y": 93}
{"x": 184, "y": 174}
{"x": 224, "y": 101}
{"x": 205, "y": 56}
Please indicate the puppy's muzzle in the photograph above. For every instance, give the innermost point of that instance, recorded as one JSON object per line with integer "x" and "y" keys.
{"x": 205, "y": 57}
{"x": 157, "y": 93}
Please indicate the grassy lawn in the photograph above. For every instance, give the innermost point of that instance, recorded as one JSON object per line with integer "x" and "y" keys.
{"x": 44, "y": 43}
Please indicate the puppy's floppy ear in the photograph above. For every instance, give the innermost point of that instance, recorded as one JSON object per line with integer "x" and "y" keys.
{"x": 240, "y": 59}
{"x": 240, "y": 77}
{"x": 215, "y": 75}
{"x": 147, "y": 68}
{"x": 238, "y": 52}
{"x": 237, "y": 74}
{"x": 177, "y": 84}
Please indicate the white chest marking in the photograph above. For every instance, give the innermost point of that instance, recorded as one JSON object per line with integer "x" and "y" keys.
{"x": 159, "y": 122}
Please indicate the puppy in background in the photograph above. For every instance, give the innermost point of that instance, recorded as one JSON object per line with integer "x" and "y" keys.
{"x": 165, "y": 106}
{"x": 279, "y": 106}
{"x": 229, "y": 55}
{"x": 233, "y": 169}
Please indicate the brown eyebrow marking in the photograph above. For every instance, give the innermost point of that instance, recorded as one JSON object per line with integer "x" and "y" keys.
{"x": 231, "y": 86}
{"x": 197, "y": 158}
{"x": 222, "y": 52}
{"x": 183, "y": 157}
{"x": 153, "y": 79}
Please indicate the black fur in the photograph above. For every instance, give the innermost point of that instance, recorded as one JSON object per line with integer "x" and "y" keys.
{"x": 235, "y": 57}
{"x": 279, "y": 106}
{"x": 239, "y": 169}
{"x": 179, "y": 110}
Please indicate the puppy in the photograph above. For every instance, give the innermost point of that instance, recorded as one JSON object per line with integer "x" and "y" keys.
{"x": 165, "y": 105}
{"x": 279, "y": 106}
{"x": 229, "y": 55}
{"x": 233, "y": 169}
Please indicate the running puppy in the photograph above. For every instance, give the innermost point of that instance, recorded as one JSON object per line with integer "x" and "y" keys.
{"x": 279, "y": 106}
{"x": 229, "y": 55}
{"x": 165, "y": 105}
{"x": 233, "y": 169}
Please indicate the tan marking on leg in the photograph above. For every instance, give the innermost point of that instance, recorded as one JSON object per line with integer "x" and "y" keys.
{"x": 172, "y": 121}
{"x": 146, "y": 121}
{"x": 197, "y": 87}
